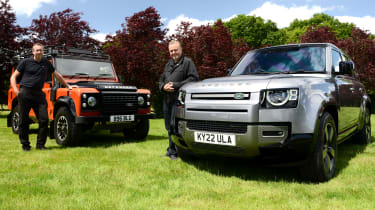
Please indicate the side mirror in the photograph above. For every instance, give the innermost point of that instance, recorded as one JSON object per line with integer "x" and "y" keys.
{"x": 229, "y": 71}
{"x": 346, "y": 67}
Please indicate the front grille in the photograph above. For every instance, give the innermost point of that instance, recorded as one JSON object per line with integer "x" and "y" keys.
{"x": 119, "y": 103}
{"x": 217, "y": 126}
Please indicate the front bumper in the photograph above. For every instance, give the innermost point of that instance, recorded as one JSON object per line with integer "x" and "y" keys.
{"x": 268, "y": 139}
{"x": 106, "y": 118}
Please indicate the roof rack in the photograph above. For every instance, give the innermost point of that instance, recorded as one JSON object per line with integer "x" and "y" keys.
{"x": 57, "y": 51}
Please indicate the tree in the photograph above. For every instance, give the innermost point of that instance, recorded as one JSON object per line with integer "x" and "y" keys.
{"x": 298, "y": 27}
{"x": 255, "y": 31}
{"x": 359, "y": 46}
{"x": 63, "y": 28}
{"x": 210, "y": 47}
{"x": 9, "y": 33}
{"x": 139, "y": 53}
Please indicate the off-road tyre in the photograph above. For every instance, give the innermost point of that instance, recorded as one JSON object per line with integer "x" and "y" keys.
{"x": 15, "y": 119}
{"x": 66, "y": 131}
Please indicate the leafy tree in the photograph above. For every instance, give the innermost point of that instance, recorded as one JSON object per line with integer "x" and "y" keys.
{"x": 210, "y": 47}
{"x": 359, "y": 46}
{"x": 255, "y": 31}
{"x": 299, "y": 27}
{"x": 63, "y": 28}
{"x": 9, "y": 33}
{"x": 139, "y": 53}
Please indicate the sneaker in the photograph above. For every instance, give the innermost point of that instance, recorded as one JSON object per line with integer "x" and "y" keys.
{"x": 41, "y": 147}
{"x": 26, "y": 148}
{"x": 173, "y": 157}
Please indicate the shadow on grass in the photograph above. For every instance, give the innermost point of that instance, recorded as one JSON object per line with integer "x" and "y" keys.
{"x": 258, "y": 170}
{"x": 105, "y": 140}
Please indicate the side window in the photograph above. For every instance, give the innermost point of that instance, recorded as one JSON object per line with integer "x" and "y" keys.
{"x": 336, "y": 58}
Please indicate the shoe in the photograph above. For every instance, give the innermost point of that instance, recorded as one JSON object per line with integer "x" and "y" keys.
{"x": 167, "y": 154}
{"x": 41, "y": 147}
{"x": 173, "y": 157}
{"x": 26, "y": 148}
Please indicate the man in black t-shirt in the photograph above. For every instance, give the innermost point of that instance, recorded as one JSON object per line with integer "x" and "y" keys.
{"x": 34, "y": 71}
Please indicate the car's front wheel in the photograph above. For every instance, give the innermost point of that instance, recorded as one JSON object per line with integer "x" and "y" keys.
{"x": 322, "y": 164}
{"x": 66, "y": 131}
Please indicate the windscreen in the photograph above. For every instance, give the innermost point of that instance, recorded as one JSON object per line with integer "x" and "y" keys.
{"x": 282, "y": 60}
{"x": 75, "y": 67}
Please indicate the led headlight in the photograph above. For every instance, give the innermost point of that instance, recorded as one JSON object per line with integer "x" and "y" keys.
{"x": 280, "y": 98}
{"x": 141, "y": 101}
{"x": 91, "y": 101}
{"x": 181, "y": 97}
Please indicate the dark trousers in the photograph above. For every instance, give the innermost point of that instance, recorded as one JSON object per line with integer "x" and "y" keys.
{"x": 32, "y": 98}
{"x": 169, "y": 115}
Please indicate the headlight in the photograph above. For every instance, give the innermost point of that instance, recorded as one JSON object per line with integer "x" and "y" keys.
{"x": 279, "y": 98}
{"x": 141, "y": 101}
{"x": 181, "y": 97}
{"x": 91, "y": 101}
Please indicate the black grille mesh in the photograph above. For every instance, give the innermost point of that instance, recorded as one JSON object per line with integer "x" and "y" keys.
{"x": 119, "y": 103}
{"x": 217, "y": 126}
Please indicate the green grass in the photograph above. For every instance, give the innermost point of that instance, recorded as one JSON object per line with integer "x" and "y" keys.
{"x": 107, "y": 172}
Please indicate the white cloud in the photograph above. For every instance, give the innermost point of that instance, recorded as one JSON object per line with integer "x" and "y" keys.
{"x": 100, "y": 36}
{"x": 27, "y": 7}
{"x": 283, "y": 16}
{"x": 364, "y": 23}
{"x": 279, "y": 14}
{"x": 172, "y": 24}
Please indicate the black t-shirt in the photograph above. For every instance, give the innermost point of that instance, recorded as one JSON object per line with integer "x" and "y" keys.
{"x": 34, "y": 73}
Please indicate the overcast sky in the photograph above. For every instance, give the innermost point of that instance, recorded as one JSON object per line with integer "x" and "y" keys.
{"x": 107, "y": 15}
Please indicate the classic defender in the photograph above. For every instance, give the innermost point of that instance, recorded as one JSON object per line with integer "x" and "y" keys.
{"x": 297, "y": 101}
{"x": 99, "y": 98}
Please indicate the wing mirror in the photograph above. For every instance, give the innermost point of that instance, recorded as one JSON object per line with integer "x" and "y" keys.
{"x": 346, "y": 67}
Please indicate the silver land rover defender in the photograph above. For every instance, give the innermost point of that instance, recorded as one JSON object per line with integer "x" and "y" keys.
{"x": 298, "y": 101}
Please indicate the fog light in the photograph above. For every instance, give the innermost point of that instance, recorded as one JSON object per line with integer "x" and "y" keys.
{"x": 84, "y": 105}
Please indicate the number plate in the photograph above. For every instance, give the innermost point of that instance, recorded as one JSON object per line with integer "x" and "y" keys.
{"x": 215, "y": 138}
{"x": 121, "y": 118}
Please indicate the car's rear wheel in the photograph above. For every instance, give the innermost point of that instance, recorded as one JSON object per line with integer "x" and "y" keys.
{"x": 15, "y": 119}
{"x": 66, "y": 131}
{"x": 139, "y": 131}
{"x": 322, "y": 164}
{"x": 364, "y": 136}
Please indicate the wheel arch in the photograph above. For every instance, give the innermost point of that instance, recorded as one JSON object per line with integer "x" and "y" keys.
{"x": 67, "y": 102}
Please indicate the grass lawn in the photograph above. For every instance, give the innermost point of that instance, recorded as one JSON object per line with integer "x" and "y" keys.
{"x": 107, "y": 172}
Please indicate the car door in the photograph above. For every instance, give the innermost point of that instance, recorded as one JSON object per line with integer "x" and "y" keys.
{"x": 348, "y": 113}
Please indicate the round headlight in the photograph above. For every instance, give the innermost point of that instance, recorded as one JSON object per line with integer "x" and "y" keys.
{"x": 277, "y": 97}
{"x": 91, "y": 101}
{"x": 141, "y": 100}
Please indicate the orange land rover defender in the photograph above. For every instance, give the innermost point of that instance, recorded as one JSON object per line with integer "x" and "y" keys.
{"x": 99, "y": 99}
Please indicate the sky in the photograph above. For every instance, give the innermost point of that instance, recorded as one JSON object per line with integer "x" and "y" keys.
{"x": 106, "y": 16}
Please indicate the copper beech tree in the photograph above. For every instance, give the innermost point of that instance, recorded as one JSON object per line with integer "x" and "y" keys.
{"x": 11, "y": 39}
{"x": 359, "y": 46}
{"x": 63, "y": 28}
